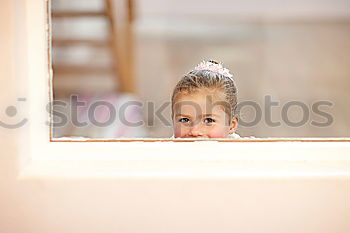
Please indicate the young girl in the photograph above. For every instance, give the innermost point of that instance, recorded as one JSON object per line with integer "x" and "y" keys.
{"x": 204, "y": 103}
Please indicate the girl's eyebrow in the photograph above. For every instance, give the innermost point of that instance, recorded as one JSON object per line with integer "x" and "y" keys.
{"x": 203, "y": 115}
{"x": 179, "y": 114}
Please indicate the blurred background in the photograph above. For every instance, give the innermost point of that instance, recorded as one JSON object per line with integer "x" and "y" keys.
{"x": 129, "y": 54}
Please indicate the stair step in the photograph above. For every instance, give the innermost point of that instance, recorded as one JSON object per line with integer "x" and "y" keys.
{"x": 73, "y": 14}
{"x": 82, "y": 70}
{"x": 73, "y": 42}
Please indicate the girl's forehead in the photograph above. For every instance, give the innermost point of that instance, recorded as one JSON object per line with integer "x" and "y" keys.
{"x": 203, "y": 102}
{"x": 202, "y": 95}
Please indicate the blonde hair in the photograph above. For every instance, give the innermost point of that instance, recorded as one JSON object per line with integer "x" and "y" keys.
{"x": 211, "y": 80}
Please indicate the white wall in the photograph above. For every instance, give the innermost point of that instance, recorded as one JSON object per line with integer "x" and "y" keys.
{"x": 253, "y": 9}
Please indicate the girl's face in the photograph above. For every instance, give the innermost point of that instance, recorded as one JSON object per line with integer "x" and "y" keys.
{"x": 201, "y": 115}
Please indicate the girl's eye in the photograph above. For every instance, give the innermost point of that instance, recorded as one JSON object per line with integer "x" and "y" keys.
{"x": 209, "y": 120}
{"x": 184, "y": 120}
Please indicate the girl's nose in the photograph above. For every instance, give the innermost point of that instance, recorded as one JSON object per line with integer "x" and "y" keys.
{"x": 196, "y": 131}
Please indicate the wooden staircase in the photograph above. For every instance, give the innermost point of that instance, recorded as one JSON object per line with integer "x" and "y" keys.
{"x": 119, "y": 43}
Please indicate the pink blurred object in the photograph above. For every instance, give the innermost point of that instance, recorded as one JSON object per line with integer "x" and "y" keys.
{"x": 120, "y": 126}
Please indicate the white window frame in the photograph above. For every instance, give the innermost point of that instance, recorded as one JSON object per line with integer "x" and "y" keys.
{"x": 156, "y": 158}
